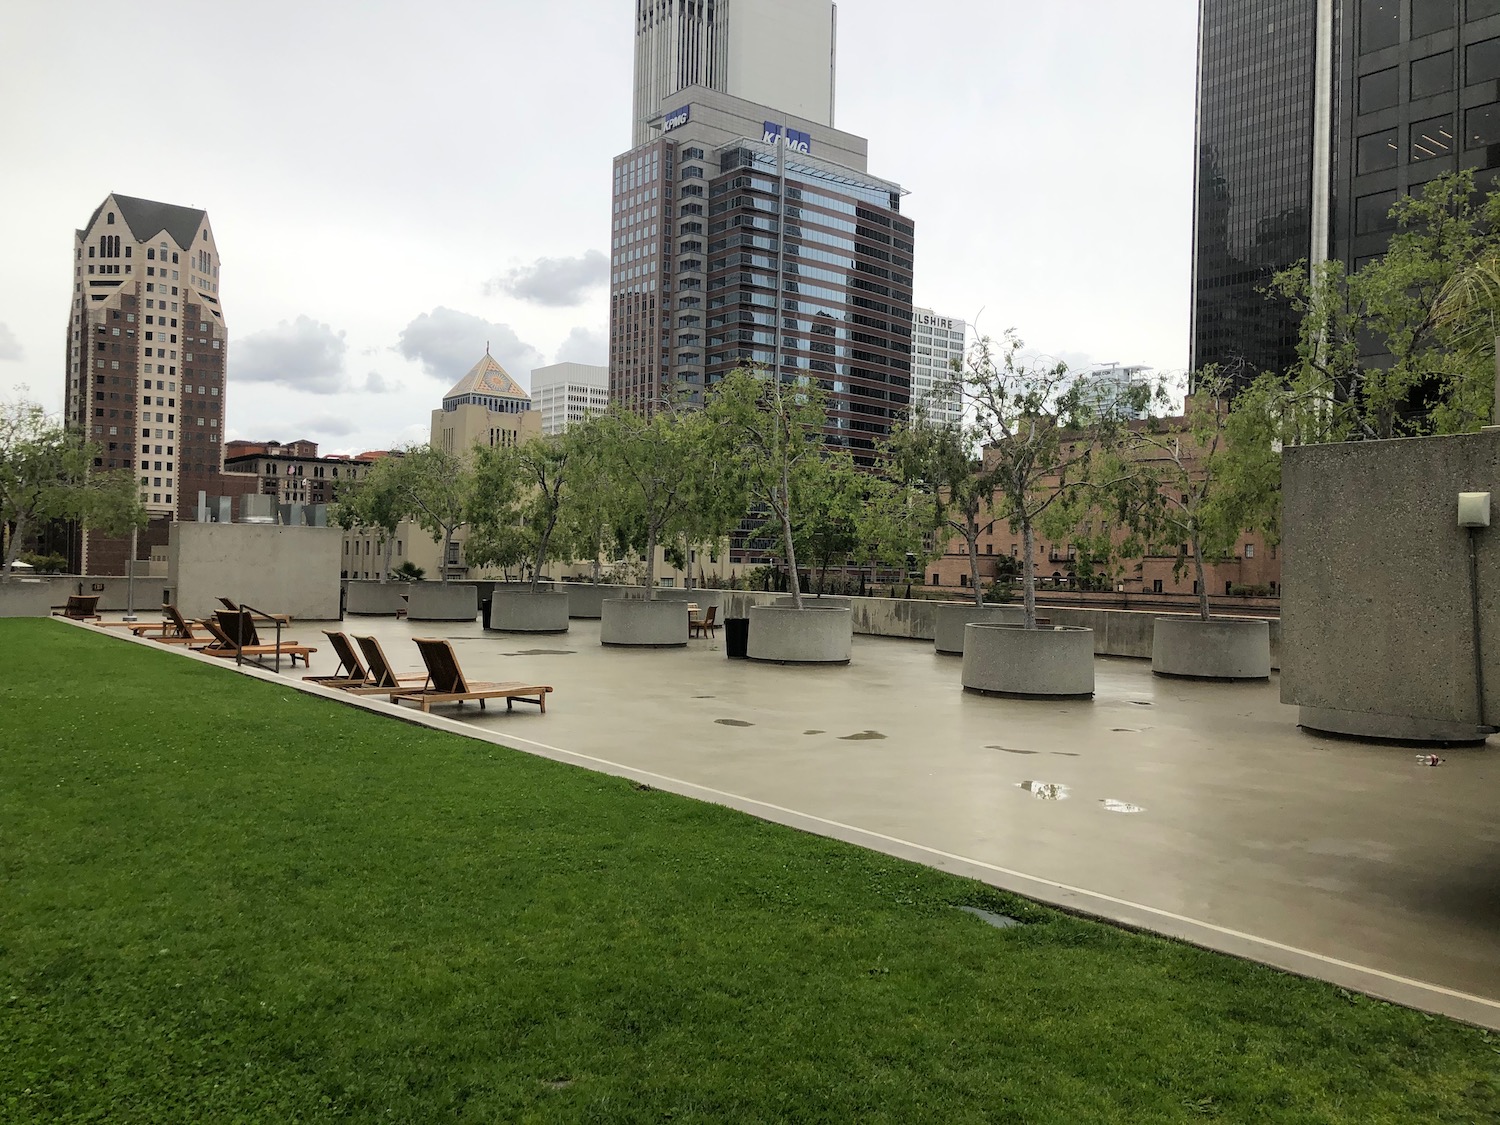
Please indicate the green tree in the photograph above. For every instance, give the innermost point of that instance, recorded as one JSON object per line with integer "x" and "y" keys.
{"x": 47, "y": 472}
{"x": 585, "y": 518}
{"x": 938, "y": 460}
{"x": 829, "y": 532}
{"x": 376, "y": 503}
{"x": 1425, "y": 304}
{"x": 518, "y": 503}
{"x": 648, "y": 466}
{"x": 1041, "y": 441}
{"x": 1198, "y": 482}
{"x": 777, "y": 428}
{"x": 435, "y": 487}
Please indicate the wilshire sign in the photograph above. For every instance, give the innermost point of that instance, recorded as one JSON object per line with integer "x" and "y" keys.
{"x": 796, "y": 141}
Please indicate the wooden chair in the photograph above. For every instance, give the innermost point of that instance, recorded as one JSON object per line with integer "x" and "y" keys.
{"x": 178, "y": 630}
{"x": 704, "y": 626}
{"x": 351, "y": 672}
{"x": 235, "y": 636}
{"x": 381, "y": 680}
{"x": 80, "y": 607}
{"x": 446, "y": 682}
{"x": 283, "y": 618}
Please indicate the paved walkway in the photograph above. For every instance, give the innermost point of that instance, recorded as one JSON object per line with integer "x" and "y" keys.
{"x": 1198, "y": 810}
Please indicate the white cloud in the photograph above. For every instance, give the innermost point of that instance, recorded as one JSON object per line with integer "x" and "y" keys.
{"x": 447, "y": 343}
{"x": 303, "y": 354}
{"x": 585, "y": 345}
{"x": 556, "y": 282}
{"x": 377, "y": 384}
{"x": 325, "y": 425}
{"x": 10, "y": 347}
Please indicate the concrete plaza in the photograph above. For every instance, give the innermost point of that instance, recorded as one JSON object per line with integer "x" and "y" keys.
{"x": 1198, "y": 810}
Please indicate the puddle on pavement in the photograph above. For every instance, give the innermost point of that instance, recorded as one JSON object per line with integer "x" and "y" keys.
{"x": 999, "y": 921}
{"x": 1112, "y": 805}
{"x": 733, "y": 723}
{"x": 815, "y": 732}
{"x": 705, "y": 697}
{"x": 1141, "y": 702}
{"x": 1124, "y": 730}
{"x": 542, "y": 652}
{"x": 1044, "y": 790}
{"x": 862, "y": 736}
{"x": 1010, "y": 750}
{"x": 1063, "y": 754}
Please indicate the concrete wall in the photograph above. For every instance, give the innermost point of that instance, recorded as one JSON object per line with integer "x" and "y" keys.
{"x": 276, "y": 569}
{"x": 1376, "y": 579}
{"x": 32, "y": 597}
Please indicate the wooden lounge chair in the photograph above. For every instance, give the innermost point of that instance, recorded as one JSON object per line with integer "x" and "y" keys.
{"x": 382, "y": 680}
{"x": 446, "y": 682}
{"x": 283, "y": 618}
{"x": 178, "y": 630}
{"x": 236, "y": 638}
{"x": 351, "y": 672}
{"x": 704, "y": 626}
{"x": 80, "y": 607}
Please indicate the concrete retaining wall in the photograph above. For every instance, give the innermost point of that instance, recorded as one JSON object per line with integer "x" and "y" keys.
{"x": 275, "y": 569}
{"x": 33, "y": 597}
{"x": 1376, "y": 595}
{"x": 437, "y": 601}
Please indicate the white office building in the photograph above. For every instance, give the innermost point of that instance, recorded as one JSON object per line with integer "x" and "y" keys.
{"x": 1108, "y": 387}
{"x": 779, "y": 53}
{"x": 937, "y": 342}
{"x": 568, "y": 392}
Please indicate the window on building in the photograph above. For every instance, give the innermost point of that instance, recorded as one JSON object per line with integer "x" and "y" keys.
{"x": 1482, "y": 61}
{"x": 937, "y": 579}
{"x": 1478, "y": 9}
{"x": 1372, "y": 212}
{"x": 1432, "y": 138}
{"x": 1156, "y": 585}
{"x": 1432, "y": 75}
{"x": 1249, "y": 550}
{"x": 1380, "y": 90}
{"x": 1377, "y": 151}
{"x": 1428, "y": 16}
{"x": 1379, "y": 24}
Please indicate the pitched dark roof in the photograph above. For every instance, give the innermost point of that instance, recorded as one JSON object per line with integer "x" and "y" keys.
{"x": 146, "y": 218}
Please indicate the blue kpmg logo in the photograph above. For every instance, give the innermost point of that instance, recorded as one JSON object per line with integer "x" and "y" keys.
{"x": 675, "y": 118}
{"x": 796, "y": 141}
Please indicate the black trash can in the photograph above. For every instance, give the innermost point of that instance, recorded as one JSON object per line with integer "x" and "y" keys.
{"x": 736, "y": 637}
{"x": 484, "y": 610}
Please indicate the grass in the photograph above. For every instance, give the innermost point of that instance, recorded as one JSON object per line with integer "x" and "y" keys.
{"x": 226, "y": 901}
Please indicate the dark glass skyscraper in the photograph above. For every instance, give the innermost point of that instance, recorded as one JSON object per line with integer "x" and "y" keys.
{"x": 1314, "y": 117}
{"x": 1254, "y": 192}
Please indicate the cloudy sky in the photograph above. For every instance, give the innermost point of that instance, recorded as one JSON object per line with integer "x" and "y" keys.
{"x": 392, "y": 184}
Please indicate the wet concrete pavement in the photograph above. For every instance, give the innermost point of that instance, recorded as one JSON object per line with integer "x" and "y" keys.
{"x": 1197, "y": 810}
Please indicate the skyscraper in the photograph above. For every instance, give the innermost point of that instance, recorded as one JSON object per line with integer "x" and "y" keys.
{"x": 938, "y": 343}
{"x": 146, "y": 359}
{"x": 565, "y": 393}
{"x": 1314, "y": 117}
{"x": 773, "y": 52}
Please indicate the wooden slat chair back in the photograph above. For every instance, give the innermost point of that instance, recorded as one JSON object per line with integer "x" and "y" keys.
{"x": 381, "y": 675}
{"x": 79, "y": 607}
{"x": 350, "y": 666}
{"x": 238, "y": 626}
{"x": 443, "y": 672}
{"x": 180, "y": 625}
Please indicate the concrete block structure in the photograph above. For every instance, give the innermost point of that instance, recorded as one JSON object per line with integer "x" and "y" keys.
{"x": 293, "y": 570}
{"x": 1378, "y": 628}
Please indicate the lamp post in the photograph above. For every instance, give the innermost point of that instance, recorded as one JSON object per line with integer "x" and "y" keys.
{"x": 130, "y": 577}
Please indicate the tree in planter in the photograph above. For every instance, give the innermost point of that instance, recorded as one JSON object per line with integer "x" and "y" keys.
{"x": 649, "y": 465}
{"x": 47, "y": 472}
{"x": 830, "y": 533}
{"x": 1031, "y": 418}
{"x": 893, "y": 526}
{"x": 777, "y": 428}
{"x": 434, "y": 487}
{"x": 1198, "y": 484}
{"x": 376, "y": 503}
{"x": 517, "y": 504}
{"x": 938, "y": 461}
{"x": 585, "y": 518}
{"x": 715, "y": 497}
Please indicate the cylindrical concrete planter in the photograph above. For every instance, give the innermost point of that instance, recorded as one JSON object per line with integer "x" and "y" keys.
{"x": 434, "y": 601}
{"x": 1028, "y": 663}
{"x": 949, "y": 622}
{"x": 635, "y": 622}
{"x": 1218, "y": 649}
{"x": 786, "y": 635}
{"x": 585, "y": 598}
{"x": 812, "y": 601}
{"x": 376, "y": 599}
{"x": 521, "y": 611}
{"x": 1405, "y": 729}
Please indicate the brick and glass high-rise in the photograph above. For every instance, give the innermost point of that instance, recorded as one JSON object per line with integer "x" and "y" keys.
{"x": 708, "y": 272}
{"x": 146, "y": 355}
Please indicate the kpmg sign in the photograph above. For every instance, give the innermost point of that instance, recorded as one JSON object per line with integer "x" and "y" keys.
{"x": 797, "y": 142}
{"x": 675, "y": 118}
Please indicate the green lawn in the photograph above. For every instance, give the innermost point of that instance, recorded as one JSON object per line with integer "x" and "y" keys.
{"x": 221, "y": 900}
